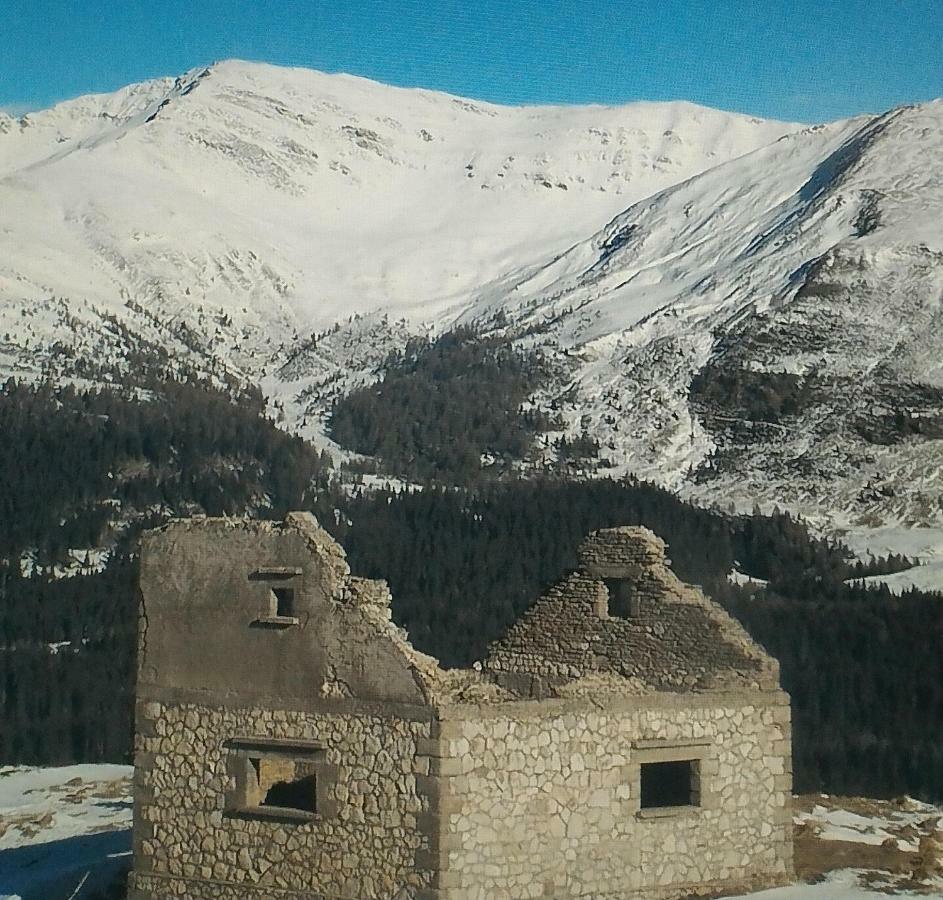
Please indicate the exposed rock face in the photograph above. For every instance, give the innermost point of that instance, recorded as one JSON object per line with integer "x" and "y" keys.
{"x": 291, "y": 743}
{"x": 930, "y": 855}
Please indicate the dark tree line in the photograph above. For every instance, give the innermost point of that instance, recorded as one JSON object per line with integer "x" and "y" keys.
{"x": 865, "y": 671}
{"x": 443, "y": 405}
{"x": 69, "y": 457}
{"x": 93, "y": 468}
{"x": 90, "y": 469}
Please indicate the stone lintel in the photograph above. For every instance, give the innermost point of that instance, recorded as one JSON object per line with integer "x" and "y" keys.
{"x": 671, "y": 753}
{"x": 668, "y": 812}
{"x": 276, "y": 746}
{"x": 662, "y": 743}
{"x": 612, "y": 570}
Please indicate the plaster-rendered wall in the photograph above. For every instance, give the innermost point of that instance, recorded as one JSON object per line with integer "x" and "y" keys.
{"x": 335, "y": 679}
{"x": 363, "y": 847}
{"x": 541, "y": 799}
{"x": 201, "y": 631}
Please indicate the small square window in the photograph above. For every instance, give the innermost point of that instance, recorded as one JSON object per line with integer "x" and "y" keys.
{"x": 279, "y": 601}
{"x": 665, "y": 784}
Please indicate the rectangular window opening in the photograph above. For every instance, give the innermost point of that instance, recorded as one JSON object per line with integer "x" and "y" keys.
{"x": 623, "y": 601}
{"x": 280, "y": 596}
{"x": 284, "y": 601}
{"x": 281, "y": 779}
{"x": 282, "y": 784}
{"x": 670, "y": 784}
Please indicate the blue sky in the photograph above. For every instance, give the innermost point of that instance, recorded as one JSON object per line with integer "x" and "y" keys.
{"x": 788, "y": 59}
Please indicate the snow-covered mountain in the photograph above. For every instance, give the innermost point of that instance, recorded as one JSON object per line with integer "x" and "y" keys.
{"x": 744, "y": 309}
{"x": 253, "y": 204}
{"x": 771, "y": 330}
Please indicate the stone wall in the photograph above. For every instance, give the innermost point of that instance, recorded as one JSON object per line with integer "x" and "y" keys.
{"x": 316, "y": 695}
{"x": 361, "y": 845}
{"x": 292, "y": 744}
{"x": 541, "y": 799}
{"x": 674, "y": 638}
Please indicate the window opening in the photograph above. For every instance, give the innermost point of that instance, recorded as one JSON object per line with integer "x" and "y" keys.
{"x": 279, "y": 609}
{"x": 287, "y": 779}
{"x": 669, "y": 784}
{"x": 624, "y": 603}
{"x": 283, "y": 784}
{"x": 284, "y": 601}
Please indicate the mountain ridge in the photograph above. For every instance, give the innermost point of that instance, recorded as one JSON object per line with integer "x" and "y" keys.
{"x": 292, "y": 228}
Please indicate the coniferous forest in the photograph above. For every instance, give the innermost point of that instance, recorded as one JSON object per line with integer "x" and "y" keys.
{"x": 442, "y": 405}
{"x": 90, "y": 469}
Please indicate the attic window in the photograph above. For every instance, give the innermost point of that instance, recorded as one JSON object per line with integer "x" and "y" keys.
{"x": 284, "y": 601}
{"x": 670, "y": 784}
{"x": 280, "y": 608}
{"x": 624, "y": 602}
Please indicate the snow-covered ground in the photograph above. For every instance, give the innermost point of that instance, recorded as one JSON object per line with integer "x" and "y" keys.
{"x": 843, "y": 884}
{"x": 61, "y": 825}
{"x": 854, "y": 847}
{"x": 830, "y": 819}
{"x": 923, "y": 545}
{"x": 925, "y": 577}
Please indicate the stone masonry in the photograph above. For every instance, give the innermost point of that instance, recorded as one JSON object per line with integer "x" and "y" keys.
{"x": 625, "y": 739}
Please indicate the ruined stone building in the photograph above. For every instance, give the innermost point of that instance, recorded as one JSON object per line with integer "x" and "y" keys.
{"x": 626, "y": 738}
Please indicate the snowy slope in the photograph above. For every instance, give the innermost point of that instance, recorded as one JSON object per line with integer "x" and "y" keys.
{"x": 62, "y": 827}
{"x": 253, "y": 203}
{"x": 924, "y": 546}
{"x": 810, "y": 269}
{"x": 818, "y": 258}
{"x": 675, "y": 262}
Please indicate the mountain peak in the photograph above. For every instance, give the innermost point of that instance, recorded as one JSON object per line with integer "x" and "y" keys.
{"x": 241, "y": 216}
{"x": 348, "y": 195}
